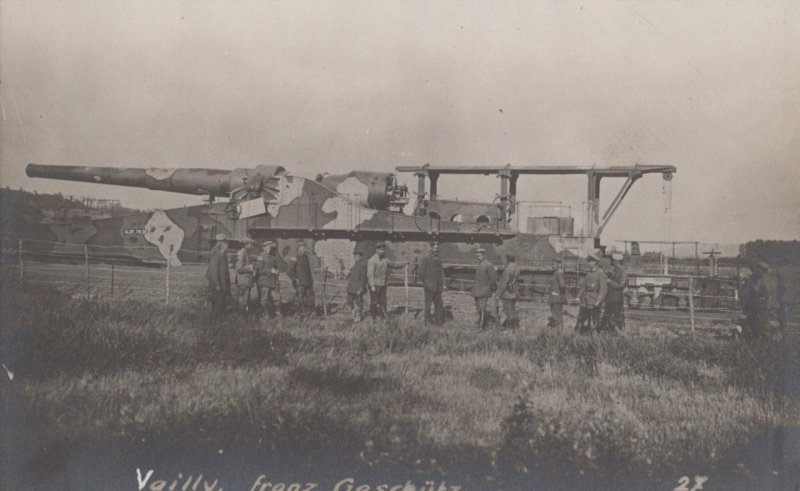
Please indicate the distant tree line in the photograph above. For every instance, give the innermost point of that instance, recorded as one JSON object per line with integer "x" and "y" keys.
{"x": 774, "y": 252}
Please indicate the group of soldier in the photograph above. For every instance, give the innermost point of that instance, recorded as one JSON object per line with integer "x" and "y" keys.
{"x": 601, "y": 296}
{"x": 257, "y": 286}
{"x": 257, "y": 283}
{"x": 255, "y": 275}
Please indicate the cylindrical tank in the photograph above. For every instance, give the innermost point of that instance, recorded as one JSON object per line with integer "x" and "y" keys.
{"x": 544, "y": 225}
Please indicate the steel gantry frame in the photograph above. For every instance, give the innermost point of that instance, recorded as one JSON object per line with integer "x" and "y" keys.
{"x": 509, "y": 176}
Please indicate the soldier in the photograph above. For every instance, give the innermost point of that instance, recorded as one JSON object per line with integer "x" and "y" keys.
{"x": 558, "y": 295}
{"x": 303, "y": 281}
{"x": 244, "y": 274}
{"x": 219, "y": 277}
{"x": 268, "y": 284}
{"x": 378, "y": 277}
{"x": 483, "y": 287}
{"x": 758, "y": 300}
{"x": 431, "y": 274}
{"x": 614, "y": 315}
{"x": 357, "y": 286}
{"x": 591, "y": 292}
{"x": 784, "y": 293}
{"x": 507, "y": 291}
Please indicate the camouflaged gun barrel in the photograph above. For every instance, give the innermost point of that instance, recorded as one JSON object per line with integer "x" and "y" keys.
{"x": 214, "y": 182}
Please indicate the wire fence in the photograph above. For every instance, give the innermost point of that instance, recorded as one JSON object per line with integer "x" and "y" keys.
{"x": 110, "y": 272}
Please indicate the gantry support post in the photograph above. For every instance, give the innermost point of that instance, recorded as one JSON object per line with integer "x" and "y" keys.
{"x": 434, "y": 177}
{"x": 505, "y": 196}
{"x": 593, "y": 199}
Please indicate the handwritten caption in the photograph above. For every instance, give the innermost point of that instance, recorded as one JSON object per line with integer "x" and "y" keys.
{"x": 147, "y": 481}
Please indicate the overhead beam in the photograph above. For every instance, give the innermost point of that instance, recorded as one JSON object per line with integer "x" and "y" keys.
{"x": 393, "y": 236}
{"x": 615, "y": 171}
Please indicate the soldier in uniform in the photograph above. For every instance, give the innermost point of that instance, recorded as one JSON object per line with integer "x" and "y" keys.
{"x": 357, "y": 286}
{"x": 378, "y": 278}
{"x": 784, "y": 293}
{"x": 483, "y": 287}
{"x": 244, "y": 274}
{"x": 219, "y": 277}
{"x": 558, "y": 295}
{"x": 758, "y": 301}
{"x": 431, "y": 274}
{"x": 299, "y": 271}
{"x": 614, "y": 315}
{"x": 507, "y": 291}
{"x": 592, "y": 291}
{"x": 268, "y": 284}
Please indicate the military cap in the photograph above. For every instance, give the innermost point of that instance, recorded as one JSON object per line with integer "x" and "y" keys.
{"x": 380, "y": 245}
{"x": 558, "y": 260}
{"x": 248, "y": 240}
{"x": 269, "y": 243}
{"x": 617, "y": 256}
{"x": 764, "y": 266}
{"x": 481, "y": 250}
{"x": 221, "y": 237}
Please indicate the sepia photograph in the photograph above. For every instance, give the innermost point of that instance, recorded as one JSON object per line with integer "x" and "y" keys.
{"x": 399, "y": 245}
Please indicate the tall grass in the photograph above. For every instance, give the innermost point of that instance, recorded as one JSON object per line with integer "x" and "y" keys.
{"x": 509, "y": 400}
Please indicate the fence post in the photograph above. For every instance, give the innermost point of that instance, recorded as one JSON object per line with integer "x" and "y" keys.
{"x": 324, "y": 284}
{"x": 21, "y": 261}
{"x": 405, "y": 284}
{"x": 112, "y": 280}
{"x": 169, "y": 262}
{"x": 86, "y": 265}
{"x": 691, "y": 304}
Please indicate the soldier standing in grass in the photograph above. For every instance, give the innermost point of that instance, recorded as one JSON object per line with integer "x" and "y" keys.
{"x": 614, "y": 315}
{"x": 558, "y": 295}
{"x": 591, "y": 292}
{"x": 219, "y": 277}
{"x": 357, "y": 286}
{"x": 758, "y": 300}
{"x": 431, "y": 274}
{"x": 483, "y": 287}
{"x": 507, "y": 291}
{"x": 244, "y": 274}
{"x": 378, "y": 279}
{"x": 268, "y": 284}
{"x": 303, "y": 281}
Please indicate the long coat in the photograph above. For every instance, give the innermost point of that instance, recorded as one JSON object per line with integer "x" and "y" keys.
{"x": 357, "y": 278}
{"x": 617, "y": 281}
{"x": 266, "y": 272}
{"x": 300, "y": 270}
{"x": 431, "y": 273}
{"x": 558, "y": 287}
{"x": 218, "y": 275}
{"x": 485, "y": 280}
{"x": 244, "y": 268}
{"x": 593, "y": 288}
{"x": 507, "y": 286}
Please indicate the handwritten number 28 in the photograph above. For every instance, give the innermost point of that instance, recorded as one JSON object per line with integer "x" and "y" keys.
{"x": 684, "y": 481}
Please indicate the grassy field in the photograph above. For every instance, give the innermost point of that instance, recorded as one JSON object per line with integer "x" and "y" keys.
{"x": 490, "y": 407}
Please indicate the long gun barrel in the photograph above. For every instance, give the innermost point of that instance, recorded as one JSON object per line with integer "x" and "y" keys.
{"x": 213, "y": 182}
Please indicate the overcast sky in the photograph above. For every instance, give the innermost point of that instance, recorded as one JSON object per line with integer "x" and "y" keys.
{"x": 710, "y": 87}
